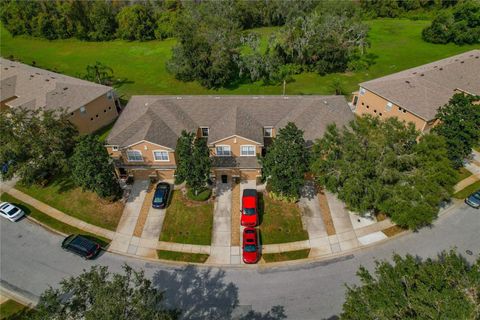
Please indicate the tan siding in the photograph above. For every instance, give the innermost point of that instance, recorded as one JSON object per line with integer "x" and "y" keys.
{"x": 370, "y": 102}
{"x": 249, "y": 174}
{"x": 147, "y": 148}
{"x": 165, "y": 174}
{"x": 235, "y": 143}
{"x": 103, "y": 107}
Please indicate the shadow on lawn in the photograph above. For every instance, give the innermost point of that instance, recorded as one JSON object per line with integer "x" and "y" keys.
{"x": 203, "y": 294}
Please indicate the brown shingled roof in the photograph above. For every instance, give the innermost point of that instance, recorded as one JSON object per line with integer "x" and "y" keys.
{"x": 160, "y": 119}
{"x": 38, "y": 88}
{"x": 422, "y": 90}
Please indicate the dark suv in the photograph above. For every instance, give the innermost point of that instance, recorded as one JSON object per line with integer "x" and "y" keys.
{"x": 81, "y": 246}
{"x": 160, "y": 198}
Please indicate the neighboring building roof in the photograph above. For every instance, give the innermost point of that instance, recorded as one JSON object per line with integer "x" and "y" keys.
{"x": 161, "y": 119}
{"x": 38, "y": 88}
{"x": 422, "y": 90}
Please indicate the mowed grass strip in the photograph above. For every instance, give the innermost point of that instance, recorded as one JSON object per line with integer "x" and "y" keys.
{"x": 463, "y": 173}
{"x": 51, "y": 222}
{"x": 62, "y": 194}
{"x": 13, "y": 310}
{"x": 141, "y": 66}
{"x": 182, "y": 256}
{"x": 187, "y": 222}
{"x": 286, "y": 256}
{"x": 280, "y": 222}
{"x": 464, "y": 193}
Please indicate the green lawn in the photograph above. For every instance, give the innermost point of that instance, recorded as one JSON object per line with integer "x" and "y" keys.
{"x": 285, "y": 256}
{"x": 12, "y": 310}
{"x": 63, "y": 195}
{"x": 102, "y": 133}
{"x": 51, "y": 222}
{"x": 463, "y": 174}
{"x": 280, "y": 222}
{"x": 141, "y": 65}
{"x": 182, "y": 256}
{"x": 187, "y": 222}
{"x": 462, "y": 194}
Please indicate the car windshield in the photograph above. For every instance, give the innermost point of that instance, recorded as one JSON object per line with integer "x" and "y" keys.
{"x": 249, "y": 211}
{"x": 250, "y": 248}
{"x": 12, "y": 211}
{"x": 476, "y": 195}
{"x": 159, "y": 195}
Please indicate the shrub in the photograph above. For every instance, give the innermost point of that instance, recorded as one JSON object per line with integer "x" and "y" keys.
{"x": 201, "y": 196}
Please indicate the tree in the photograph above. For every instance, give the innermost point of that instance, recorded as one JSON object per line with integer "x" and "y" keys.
{"x": 135, "y": 22}
{"x": 183, "y": 155}
{"x": 385, "y": 166}
{"x": 460, "y": 126}
{"x": 99, "y": 73}
{"x": 103, "y": 25}
{"x": 92, "y": 168}
{"x": 199, "y": 172}
{"x": 99, "y": 294}
{"x": 411, "y": 288}
{"x": 286, "y": 162}
{"x": 35, "y": 144}
{"x": 440, "y": 31}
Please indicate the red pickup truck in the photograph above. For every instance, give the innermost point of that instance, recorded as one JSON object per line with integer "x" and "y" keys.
{"x": 249, "y": 208}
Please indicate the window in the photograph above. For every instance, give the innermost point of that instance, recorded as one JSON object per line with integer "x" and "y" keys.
{"x": 247, "y": 151}
{"x": 83, "y": 109}
{"x": 204, "y": 131}
{"x": 389, "y": 106}
{"x": 362, "y": 91}
{"x": 114, "y": 148}
{"x": 223, "y": 150}
{"x": 109, "y": 95}
{"x": 160, "y": 155}
{"x": 355, "y": 100}
{"x": 268, "y": 132}
{"x": 134, "y": 156}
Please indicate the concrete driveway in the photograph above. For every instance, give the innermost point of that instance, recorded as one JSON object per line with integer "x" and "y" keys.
{"x": 222, "y": 229}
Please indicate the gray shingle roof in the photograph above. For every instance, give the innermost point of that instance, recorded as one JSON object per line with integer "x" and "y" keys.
{"x": 421, "y": 90}
{"x": 160, "y": 119}
{"x": 37, "y": 88}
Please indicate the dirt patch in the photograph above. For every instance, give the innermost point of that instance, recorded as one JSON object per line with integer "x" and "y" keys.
{"x": 325, "y": 212}
{"x": 142, "y": 218}
{"x": 235, "y": 214}
{"x": 394, "y": 230}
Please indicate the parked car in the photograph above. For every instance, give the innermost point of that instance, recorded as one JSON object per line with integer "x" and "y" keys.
{"x": 249, "y": 208}
{"x": 81, "y": 246}
{"x": 473, "y": 200}
{"x": 11, "y": 212}
{"x": 160, "y": 198}
{"x": 250, "y": 246}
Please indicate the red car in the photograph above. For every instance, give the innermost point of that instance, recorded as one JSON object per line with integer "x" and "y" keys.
{"x": 249, "y": 208}
{"x": 250, "y": 248}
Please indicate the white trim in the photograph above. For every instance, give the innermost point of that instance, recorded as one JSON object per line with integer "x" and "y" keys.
{"x": 237, "y": 136}
{"x": 141, "y": 155}
{"x": 145, "y": 141}
{"x": 114, "y": 148}
{"x": 271, "y": 133}
{"x": 223, "y": 155}
{"x": 168, "y": 156}
{"x": 248, "y": 155}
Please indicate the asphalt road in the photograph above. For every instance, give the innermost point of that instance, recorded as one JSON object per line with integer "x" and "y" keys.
{"x": 31, "y": 260}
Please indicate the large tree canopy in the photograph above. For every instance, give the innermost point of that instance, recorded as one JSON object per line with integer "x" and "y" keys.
{"x": 460, "y": 126}
{"x": 35, "y": 144}
{"x": 286, "y": 162}
{"x": 443, "y": 288}
{"x": 99, "y": 294}
{"x": 385, "y": 166}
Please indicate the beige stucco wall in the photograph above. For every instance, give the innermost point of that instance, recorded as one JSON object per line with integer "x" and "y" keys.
{"x": 372, "y": 104}
{"x": 146, "y": 148}
{"x": 99, "y": 113}
{"x": 235, "y": 143}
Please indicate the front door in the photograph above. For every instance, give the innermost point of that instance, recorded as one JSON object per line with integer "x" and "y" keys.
{"x": 224, "y": 178}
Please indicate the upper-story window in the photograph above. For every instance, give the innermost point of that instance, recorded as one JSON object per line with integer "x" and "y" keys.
{"x": 109, "y": 95}
{"x": 114, "y": 148}
{"x": 362, "y": 91}
{"x": 247, "y": 150}
{"x": 389, "y": 106}
{"x": 204, "y": 131}
{"x": 83, "y": 109}
{"x": 134, "y": 155}
{"x": 267, "y": 132}
{"x": 223, "y": 150}
{"x": 160, "y": 155}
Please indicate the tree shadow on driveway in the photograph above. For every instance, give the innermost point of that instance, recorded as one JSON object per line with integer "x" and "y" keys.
{"x": 204, "y": 294}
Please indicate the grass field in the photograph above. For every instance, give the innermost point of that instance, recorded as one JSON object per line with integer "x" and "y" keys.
{"x": 141, "y": 65}
{"x": 285, "y": 256}
{"x": 63, "y": 195}
{"x": 12, "y": 310}
{"x": 463, "y": 174}
{"x": 182, "y": 256}
{"x": 187, "y": 223}
{"x": 51, "y": 222}
{"x": 280, "y": 222}
{"x": 462, "y": 194}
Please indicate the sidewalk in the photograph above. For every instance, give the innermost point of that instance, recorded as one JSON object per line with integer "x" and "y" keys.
{"x": 222, "y": 225}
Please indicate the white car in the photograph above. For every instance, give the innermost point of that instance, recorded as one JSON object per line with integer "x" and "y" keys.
{"x": 10, "y": 212}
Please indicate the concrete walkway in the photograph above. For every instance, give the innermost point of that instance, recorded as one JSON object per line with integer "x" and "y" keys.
{"x": 222, "y": 220}
{"x": 123, "y": 240}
